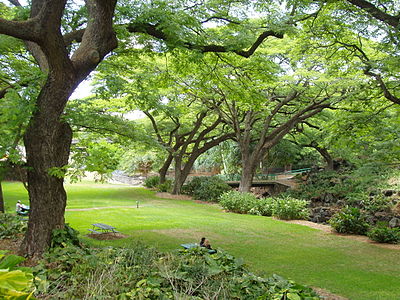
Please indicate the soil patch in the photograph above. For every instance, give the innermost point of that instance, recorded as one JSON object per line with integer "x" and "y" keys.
{"x": 176, "y": 197}
{"x": 95, "y": 208}
{"x": 328, "y": 229}
{"x": 328, "y": 295}
{"x": 182, "y": 197}
{"x": 107, "y": 236}
{"x": 11, "y": 245}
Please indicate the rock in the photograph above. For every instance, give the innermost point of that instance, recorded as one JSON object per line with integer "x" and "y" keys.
{"x": 383, "y": 216}
{"x": 388, "y": 193}
{"x": 394, "y": 222}
{"x": 329, "y": 198}
{"x": 321, "y": 214}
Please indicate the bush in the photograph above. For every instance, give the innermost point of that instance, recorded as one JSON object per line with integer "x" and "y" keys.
{"x": 384, "y": 234}
{"x": 350, "y": 220}
{"x": 15, "y": 282}
{"x": 152, "y": 181}
{"x": 193, "y": 185}
{"x": 143, "y": 273}
{"x": 165, "y": 187}
{"x": 62, "y": 237}
{"x": 263, "y": 207}
{"x": 206, "y": 188}
{"x": 238, "y": 202}
{"x": 217, "y": 276}
{"x": 11, "y": 225}
{"x": 282, "y": 208}
{"x": 290, "y": 209}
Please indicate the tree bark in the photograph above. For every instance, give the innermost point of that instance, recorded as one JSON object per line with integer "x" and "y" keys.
{"x": 1, "y": 199}
{"x": 48, "y": 138}
{"x": 328, "y": 158}
{"x": 164, "y": 169}
{"x": 249, "y": 167}
{"x": 47, "y": 142}
{"x": 178, "y": 178}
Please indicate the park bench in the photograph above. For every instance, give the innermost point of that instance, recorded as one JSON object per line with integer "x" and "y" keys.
{"x": 99, "y": 228}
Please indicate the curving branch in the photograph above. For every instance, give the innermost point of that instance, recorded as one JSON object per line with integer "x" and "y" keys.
{"x": 376, "y": 13}
{"x": 154, "y": 31}
{"x": 24, "y": 30}
{"x": 388, "y": 95}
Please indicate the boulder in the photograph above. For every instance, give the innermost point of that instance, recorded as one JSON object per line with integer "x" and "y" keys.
{"x": 394, "y": 222}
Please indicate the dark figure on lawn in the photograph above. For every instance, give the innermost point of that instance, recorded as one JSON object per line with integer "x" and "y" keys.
{"x": 205, "y": 243}
{"x": 21, "y": 209}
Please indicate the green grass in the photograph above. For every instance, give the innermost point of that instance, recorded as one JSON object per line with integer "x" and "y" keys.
{"x": 350, "y": 268}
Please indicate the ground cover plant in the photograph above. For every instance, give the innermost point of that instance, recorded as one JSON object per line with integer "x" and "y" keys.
{"x": 206, "y": 188}
{"x": 356, "y": 200}
{"x": 346, "y": 267}
{"x": 71, "y": 270}
{"x": 285, "y": 208}
{"x": 15, "y": 282}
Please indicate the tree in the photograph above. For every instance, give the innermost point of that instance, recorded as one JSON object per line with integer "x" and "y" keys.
{"x": 48, "y": 136}
{"x": 263, "y": 101}
{"x": 368, "y": 31}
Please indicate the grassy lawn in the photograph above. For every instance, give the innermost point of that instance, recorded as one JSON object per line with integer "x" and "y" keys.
{"x": 350, "y": 268}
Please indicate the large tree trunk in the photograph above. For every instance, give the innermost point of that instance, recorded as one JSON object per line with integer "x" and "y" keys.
{"x": 164, "y": 169}
{"x": 182, "y": 175}
{"x": 328, "y": 158}
{"x": 47, "y": 142}
{"x": 249, "y": 167}
{"x": 178, "y": 175}
{"x": 1, "y": 199}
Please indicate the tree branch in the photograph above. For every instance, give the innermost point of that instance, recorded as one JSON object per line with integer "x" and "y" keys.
{"x": 154, "y": 31}
{"x": 376, "y": 12}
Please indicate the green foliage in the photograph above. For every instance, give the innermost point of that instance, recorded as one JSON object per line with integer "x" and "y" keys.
{"x": 64, "y": 237}
{"x": 206, "y": 188}
{"x": 350, "y": 220}
{"x": 218, "y": 276}
{"x": 165, "y": 187}
{"x": 384, "y": 234}
{"x": 152, "y": 181}
{"x": 193, "y": 185}
{"x": 263, "y": 207}
{"x": 353, "y": 186}
{"x": 290, "y": 209}
{"x": 286, "y": 208}
{"x": 15, "y": 282}
{"x": 377, "y": 203}
{"x": 238, "y": 202}
{"x": 142, "y": 273}
{"x": 11, "y": 225}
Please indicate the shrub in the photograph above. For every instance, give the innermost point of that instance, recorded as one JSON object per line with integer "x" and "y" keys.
{"x": 144, "y": 273}
{"x": 238, "y": 202}
{"x": 384, "y": 234}
{"x": 62, "y": 237}
{"x": 350, "y": 220}
{"x": 193, "y": 185}
{"x": 15, "y": 282}
{"x": 283, "y": 208}
{"x": 164, "y": 187}
{"x": 206, "y": 188}
{"x": 263, "y": 207}
{"x": 11, "y": 225}
{"x": 290, "y": 209}
{"x": 152, "y": 181}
